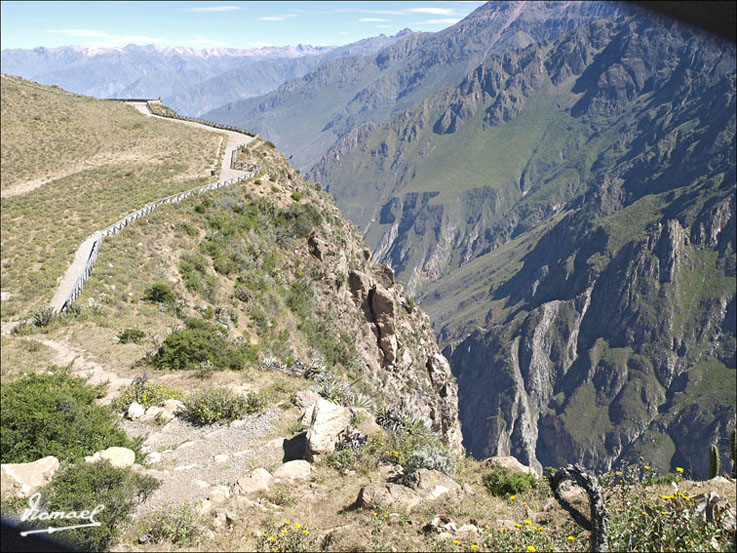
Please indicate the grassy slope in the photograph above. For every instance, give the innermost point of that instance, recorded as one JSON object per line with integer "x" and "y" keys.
{"x": 114, "y": 161}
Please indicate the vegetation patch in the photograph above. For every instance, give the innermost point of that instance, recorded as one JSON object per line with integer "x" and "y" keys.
{"x": 83, "y": 486}
{"x": 501, "y": 481}
{"x": 55, "y": 414}
{"x": 202, "y": 342}
{"x": 220, "y": 405}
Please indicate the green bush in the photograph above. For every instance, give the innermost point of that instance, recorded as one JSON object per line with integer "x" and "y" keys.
{"x": 175, "y": 525}
{"x": 270, "y": 144}
{"x": 503, "y": 482}
{"x": 83, "y": 486}
{"x": 200, "y": 342}
{"x": 131, "y": 335}
{"x": 342, "y": 460}
{"x": 159, "y": 292}
{"x": 55, "y": 414}
{"x": 214, "y": 405}
{"x": 146, "y": 394}
{"x": 297, "y": 196}
{"x": 432, "y": 457}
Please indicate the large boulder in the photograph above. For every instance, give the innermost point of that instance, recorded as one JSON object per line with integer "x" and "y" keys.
{"x": 327, "y": 421}
{"x": 256, "y": 481}
{"x": 120, "y": 457}
{"x": 372, "y": 496}
{"x": 432, "y": 484}
{"x": 294, "y": 470}
{"x": 305, "y": 398}
{"x": 22, "y": 479}
{"x": 135, "y": 411}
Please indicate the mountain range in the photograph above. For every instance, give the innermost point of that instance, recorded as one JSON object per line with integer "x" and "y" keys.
{"x": 190, "y": 80}
{"x": 555, "y": 183}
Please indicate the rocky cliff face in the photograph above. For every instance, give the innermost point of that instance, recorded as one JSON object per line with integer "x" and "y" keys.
{"x": 566, "y": 215}
{"x": 370, "y": 89}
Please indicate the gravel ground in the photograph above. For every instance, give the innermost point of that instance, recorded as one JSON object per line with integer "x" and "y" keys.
{"x": 188, "y": 469}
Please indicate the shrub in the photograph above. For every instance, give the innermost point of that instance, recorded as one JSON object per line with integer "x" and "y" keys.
{"x": 55, "y": 414}
{"x": 432, "y": 457}
{"x": 198, "y": 343}
{"x": 342, "y": 460}
{"x": 501, "y": 481}
{"x": 44, "y": 317}
{"x": 213, "y": 405}
{"x": 297, "y": 196}
{"x": 270, "y": 144}
{"x": 83, "y": 486}
{"x": 175, "y": 525}
{"x": 131, "y": 335}
{"x": 146, "y": 394}
{"x": 159, "y": 292}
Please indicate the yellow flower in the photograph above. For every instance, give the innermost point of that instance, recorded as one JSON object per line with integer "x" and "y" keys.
{"x": 286, "y": 523}
{"x": 643, "y": 513}
{"x": 297, "y": 525}
{"x": 684, "y": 496}
{"x": 527, "y": 522}
{"x": 305, "y": 531}
{"x": 679, "y": 469}
{"x": 531, "y": 548}
{"x": 663, "y": 512}
{"x": 385, "y": 515}
{"x": 512, "y": 497}
{"x": 456, "y": 542}
{"x": 571, "y": 538}
{"x": 647, "y": 467}
{"x": 395, "y": 452}
{"x": 474, "y": 547}
{"x": 518, "y": 525}
{"x": 271, "y": 538}
{"x": 375, "y": 514}
{"x": 487, "y": 527}
{"x": 284, "y": 531}
{"x": 668, "y": 497}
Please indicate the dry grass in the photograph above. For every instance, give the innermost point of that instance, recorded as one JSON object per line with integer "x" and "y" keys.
{"x": 102, "y": 160}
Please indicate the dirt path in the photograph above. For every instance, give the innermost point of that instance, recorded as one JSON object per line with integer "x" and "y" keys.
{"x": 74, "y": 271}
{"x": 65, "y": 353}
{"x": 233, "y": 138}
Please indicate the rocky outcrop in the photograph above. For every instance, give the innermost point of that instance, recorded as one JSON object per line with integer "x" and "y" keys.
{"x": 258, "y": 480}
{"x": 22, "y": 479}
{"x": 326, "y": 422}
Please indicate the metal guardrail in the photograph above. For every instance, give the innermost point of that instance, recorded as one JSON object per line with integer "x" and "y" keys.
{"x": 200, "y": 121}
{"x": 116, "y": 227}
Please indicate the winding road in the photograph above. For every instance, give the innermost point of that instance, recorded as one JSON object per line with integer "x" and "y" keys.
{"x": 77, "y": 268}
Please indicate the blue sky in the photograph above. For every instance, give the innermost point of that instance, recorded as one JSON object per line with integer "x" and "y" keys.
{"x": 217, "y": 24}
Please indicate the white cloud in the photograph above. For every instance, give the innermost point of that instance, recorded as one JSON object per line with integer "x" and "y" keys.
{"x": 437, "y": 21}
{"x": 201, "y": 40}
{"x": 433, "y": 11}
{"x": 373, "y": 20}
{"x": 213, "y": 9}
{"x": 277, "y": 17}
{"x": 107, "y": 39}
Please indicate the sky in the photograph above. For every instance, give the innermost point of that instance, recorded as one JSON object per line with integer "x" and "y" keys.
{"x": 217, "y": 24}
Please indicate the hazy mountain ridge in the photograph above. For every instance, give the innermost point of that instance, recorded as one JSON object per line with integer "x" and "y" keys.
{"x": 297, "y": 118}
{"x": 191, "y": 80}
{"x": 264, "y": 76}
{"x": 552, "y": 212}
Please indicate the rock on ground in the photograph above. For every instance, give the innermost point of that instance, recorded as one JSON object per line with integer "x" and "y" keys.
{"x": 22, "y": 479}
